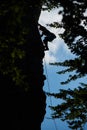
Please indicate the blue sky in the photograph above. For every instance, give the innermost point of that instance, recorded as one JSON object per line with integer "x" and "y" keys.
{"x": 58, "y": 51}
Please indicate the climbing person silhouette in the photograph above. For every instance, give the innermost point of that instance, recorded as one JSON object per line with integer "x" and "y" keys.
{"x": 46, "y": 36}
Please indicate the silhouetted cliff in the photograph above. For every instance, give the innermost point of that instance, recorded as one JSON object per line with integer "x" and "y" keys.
{"x": 21, "y": 69}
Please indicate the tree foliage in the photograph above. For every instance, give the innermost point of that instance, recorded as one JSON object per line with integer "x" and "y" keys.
{"x": 74, "y": 22}
{"x": 74, "y": 106}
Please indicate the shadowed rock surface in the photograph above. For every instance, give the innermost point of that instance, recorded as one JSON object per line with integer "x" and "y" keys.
{"x": 21, "y": 69}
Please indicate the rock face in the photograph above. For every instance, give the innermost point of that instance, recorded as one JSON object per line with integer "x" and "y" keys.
{"x": 21, "y": 68}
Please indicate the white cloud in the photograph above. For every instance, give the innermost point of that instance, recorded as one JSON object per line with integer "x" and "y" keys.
{"x": 85, "y": 13}
{"x": 53, "y": 46}
{"x": 49, "y": 17}
{"x": 51, "y": 55}
{"x": 49, "y": 58}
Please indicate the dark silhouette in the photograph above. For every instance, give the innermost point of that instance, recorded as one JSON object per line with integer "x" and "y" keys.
{"x": 21, "y": 68}
{"x": 48, "y": 36}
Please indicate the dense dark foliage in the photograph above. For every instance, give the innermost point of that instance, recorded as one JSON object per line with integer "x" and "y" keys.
{"x": 74, "y": 106}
